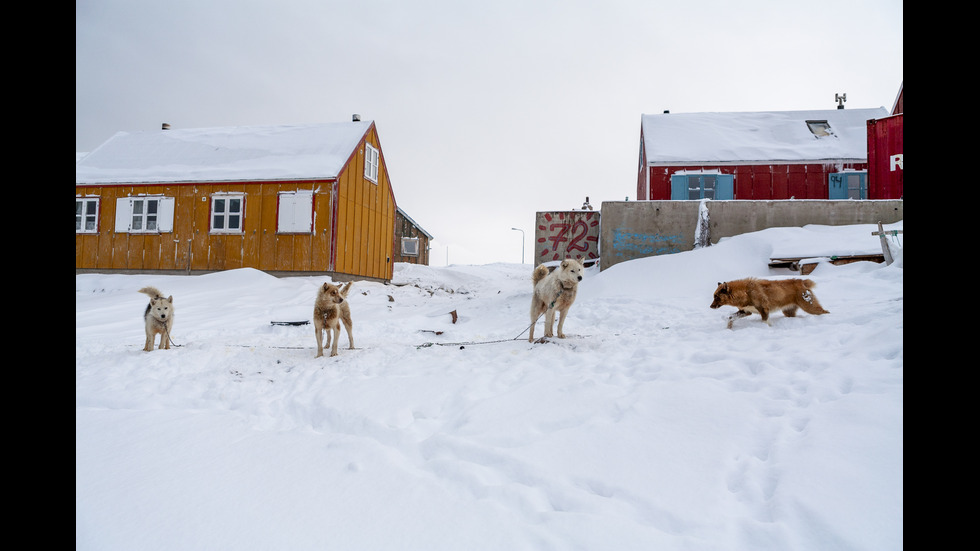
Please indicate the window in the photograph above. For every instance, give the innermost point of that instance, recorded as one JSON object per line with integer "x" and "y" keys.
{"x": 86, "y": 215}
{"x": 701, "y": 185}
{"x": 227, "y": 212}
{"x": 820, "y": 129}
{"x": 295, "y": 212}
{"x": 371, "y": 163}
{"x": 146, "y": 214}
{"x": 410, "y": 246}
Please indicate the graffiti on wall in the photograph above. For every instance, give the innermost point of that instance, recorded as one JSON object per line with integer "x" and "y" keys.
{"x": 628, "y": 244}
{"x": 566, "y": 234}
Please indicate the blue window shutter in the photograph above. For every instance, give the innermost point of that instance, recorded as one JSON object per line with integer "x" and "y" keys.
{"x": 678, "y": 187}
{"x": 725, "y": 189}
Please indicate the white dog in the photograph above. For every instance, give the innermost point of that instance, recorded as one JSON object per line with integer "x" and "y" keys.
{"x": 554, "y": 291}
{"x": 158, "y": 318}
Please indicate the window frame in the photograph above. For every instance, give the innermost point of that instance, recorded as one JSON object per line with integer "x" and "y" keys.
{"x": 126, "y": 213}
{"x": 412, "y": 242}
{"x": 681, "y": 185}
{"x": 372, "y": 162}
{"x": 82, "y": 215}
{"x": 227, "y": 215}
{"x": 820, "y": 128}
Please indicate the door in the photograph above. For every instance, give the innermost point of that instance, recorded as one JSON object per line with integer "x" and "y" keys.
{"x": 848, "y": 185}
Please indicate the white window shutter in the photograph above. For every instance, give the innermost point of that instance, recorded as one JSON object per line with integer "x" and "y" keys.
{"x": 124, "y": 214}
{"x": 296, "y": 212}
{"x": 165, "y": 215}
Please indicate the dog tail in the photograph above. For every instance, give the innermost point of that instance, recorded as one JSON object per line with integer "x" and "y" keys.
{"x": 152, "y": 292}
{"x": 809, "y": 284}
{"x": 539, "y": 273}
{"x": 345, "y": 289}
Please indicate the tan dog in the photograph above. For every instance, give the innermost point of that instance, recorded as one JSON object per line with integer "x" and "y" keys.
{"x": 158, "y": 318}
{"x": 554, "y": 291}
{"x": 762, "y": 296}
{"x": 330, "y": 309}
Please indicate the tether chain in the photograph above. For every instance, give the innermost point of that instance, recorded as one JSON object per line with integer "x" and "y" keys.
{"x": 428, "y": 344}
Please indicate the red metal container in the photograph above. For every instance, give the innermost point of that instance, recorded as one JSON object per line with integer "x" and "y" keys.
{"x": 885, "y": 171}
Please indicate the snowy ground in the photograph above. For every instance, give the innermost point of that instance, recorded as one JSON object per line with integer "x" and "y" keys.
{"x": 651, "y": 427}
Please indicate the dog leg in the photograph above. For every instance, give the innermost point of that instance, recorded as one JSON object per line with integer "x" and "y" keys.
{"x": 764, "y": 312}
{"x": 561, "y": 323}
{"x": 810, "y": 304}
{"x": 535, "y": 314}
{"x": 336, "y": 339}
{"x": 318, "y": 331}
{"x": 348, "y": 325}
{"x": 165, "y": 339}
{"x": 789, "y": 311}
{"x": 737, "y": 315}
{"x": 549, "y": 323}
{"x": 148, "y": 345}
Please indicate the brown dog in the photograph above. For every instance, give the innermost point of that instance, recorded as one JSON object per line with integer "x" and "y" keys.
{"x": 554, "y": 291}
{"x": 158, "y": 318}
{"x": 329, "y": 310}
{"x": 762, "y": 296}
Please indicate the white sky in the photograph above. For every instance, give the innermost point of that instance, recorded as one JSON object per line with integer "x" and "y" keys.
{"x": 487, "y": 111}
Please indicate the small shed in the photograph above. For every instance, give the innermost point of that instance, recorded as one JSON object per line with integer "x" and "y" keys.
{"x": 288, "y": 200}
{"x": 411, "y": 241}
{"x": 820, "y": 154}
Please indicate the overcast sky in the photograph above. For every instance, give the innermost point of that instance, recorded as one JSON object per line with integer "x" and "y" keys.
{"x": 487, "y": 111}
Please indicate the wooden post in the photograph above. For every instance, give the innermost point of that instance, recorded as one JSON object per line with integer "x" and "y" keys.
{"x": 881, "y": 233}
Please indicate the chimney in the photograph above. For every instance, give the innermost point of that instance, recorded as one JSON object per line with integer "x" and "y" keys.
{"x": 356, "y": 118}
{"x": 166, "y": 126}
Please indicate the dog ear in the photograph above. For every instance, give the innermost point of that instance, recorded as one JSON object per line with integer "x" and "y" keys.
{"x": 170, "y": 299}
{"x": 564, "y": 263}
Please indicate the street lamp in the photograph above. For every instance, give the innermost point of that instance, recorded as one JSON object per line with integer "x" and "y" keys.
{"x": 522, "y": 243}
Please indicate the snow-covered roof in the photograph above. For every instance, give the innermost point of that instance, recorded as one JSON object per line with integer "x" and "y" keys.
{"x": 764, "y": 136}
{"x": 245, "y": 153}
{"x": 414, "y": 223}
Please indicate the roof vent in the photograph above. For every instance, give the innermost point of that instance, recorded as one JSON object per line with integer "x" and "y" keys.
{"x": 165, "y": 126}
{"x": 666, "y": 111}
{"x": 356, "y": 118}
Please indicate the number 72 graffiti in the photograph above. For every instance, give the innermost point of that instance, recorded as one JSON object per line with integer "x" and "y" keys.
{"x": 566, "y": 234}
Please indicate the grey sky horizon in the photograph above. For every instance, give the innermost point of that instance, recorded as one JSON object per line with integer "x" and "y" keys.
{"x": 487, "y": 112}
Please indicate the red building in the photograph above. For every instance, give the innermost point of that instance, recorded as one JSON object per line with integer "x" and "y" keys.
{"x": 821, "y": 154}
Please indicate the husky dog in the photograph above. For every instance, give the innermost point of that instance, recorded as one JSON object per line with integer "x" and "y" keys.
{"x": 762, "y": 296}
{"x": 330, "y": 309}
{"x": 158, "y": 318}
{"x": 554, "y": 291}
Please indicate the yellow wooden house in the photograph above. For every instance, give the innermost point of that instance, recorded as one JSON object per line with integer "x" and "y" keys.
{"x": 288, "y": 200}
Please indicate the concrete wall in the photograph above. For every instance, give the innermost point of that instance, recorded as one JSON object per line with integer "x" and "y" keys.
{"x": 636, "y": 229}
